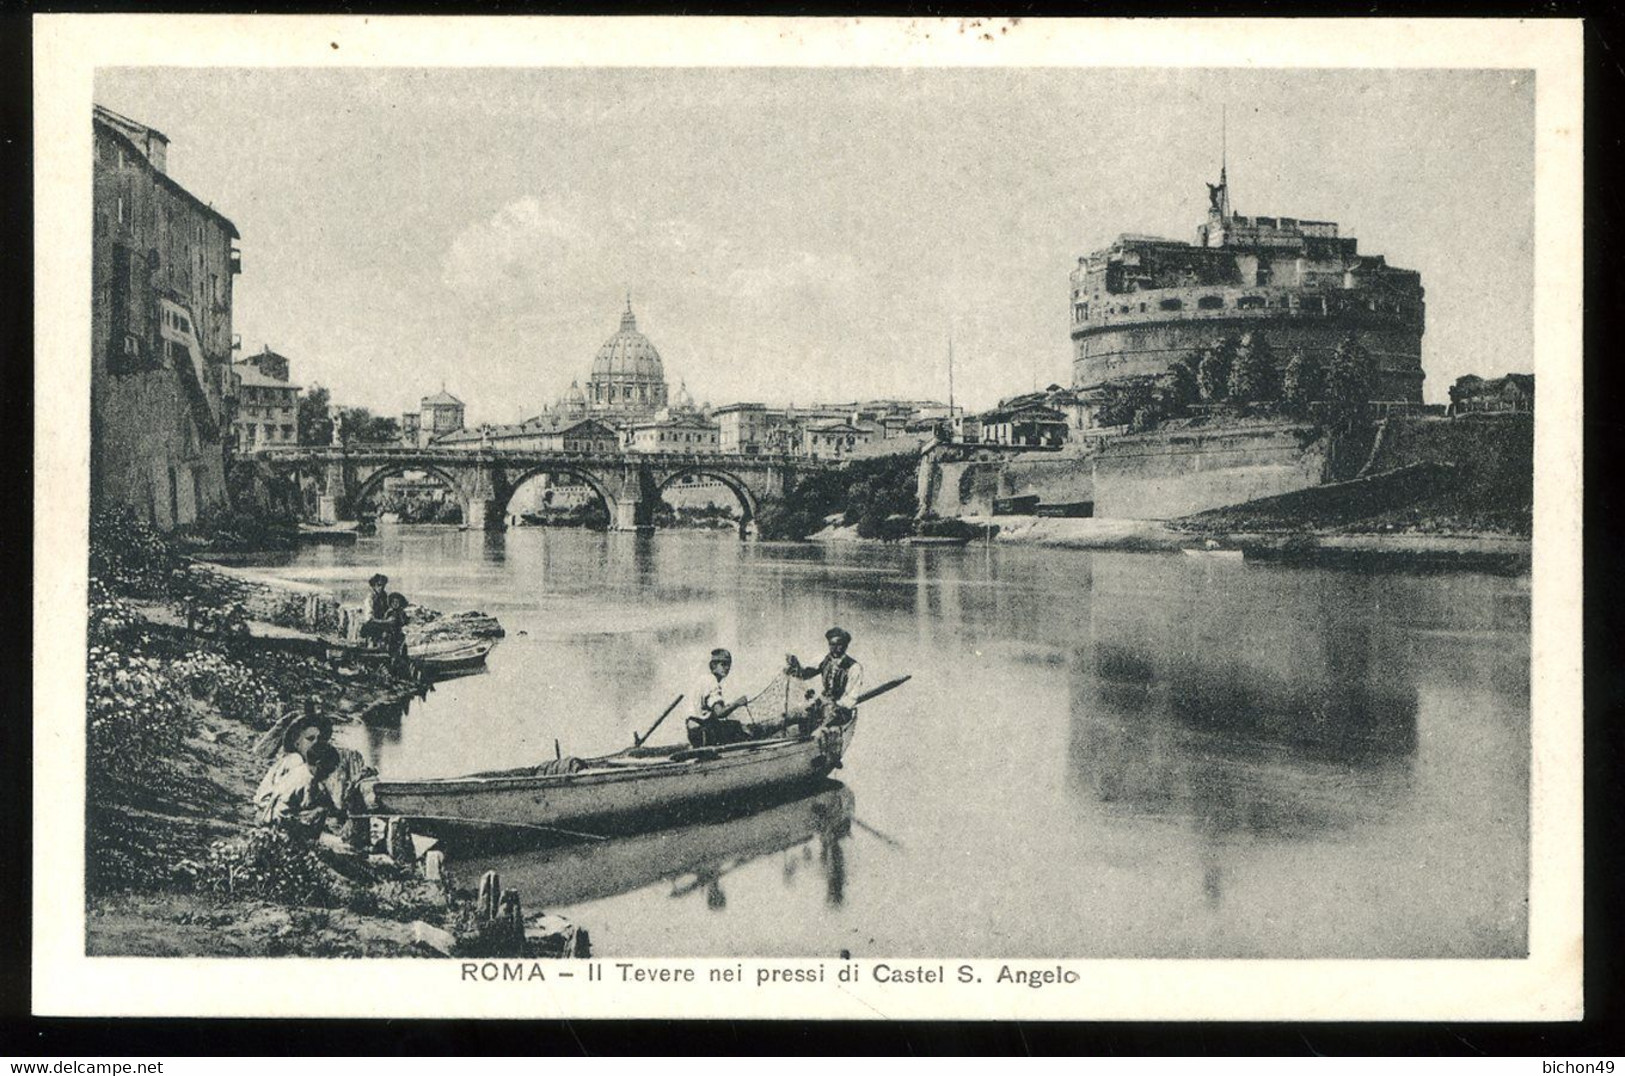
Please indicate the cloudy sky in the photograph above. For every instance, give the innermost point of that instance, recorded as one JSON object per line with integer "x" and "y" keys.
{"x": 805, "y": 234}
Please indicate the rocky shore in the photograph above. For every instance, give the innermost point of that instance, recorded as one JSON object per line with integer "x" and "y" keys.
{"x": 191, "y": 670}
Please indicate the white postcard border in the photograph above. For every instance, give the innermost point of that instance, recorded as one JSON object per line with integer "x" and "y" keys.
{"x": 68, "y": 50}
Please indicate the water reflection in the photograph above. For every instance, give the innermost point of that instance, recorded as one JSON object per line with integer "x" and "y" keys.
{"x": 1100, "y": 754}
{"x": 691, "y": 859}
{"x": 1269, "y": 713}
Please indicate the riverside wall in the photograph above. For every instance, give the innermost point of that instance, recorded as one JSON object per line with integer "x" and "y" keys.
{"x": 1494, "y": 448}
{"x": 1167, "y": 474}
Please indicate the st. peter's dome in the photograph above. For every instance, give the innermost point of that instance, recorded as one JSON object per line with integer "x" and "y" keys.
{"x": 627, "y": 373}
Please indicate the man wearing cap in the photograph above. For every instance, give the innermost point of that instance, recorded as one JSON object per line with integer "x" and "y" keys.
{"x": 712, "y": 723}
{"x": 840, "y": 679}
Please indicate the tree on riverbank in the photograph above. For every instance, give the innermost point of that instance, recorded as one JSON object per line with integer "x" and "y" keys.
{"x": 875, "y": 495}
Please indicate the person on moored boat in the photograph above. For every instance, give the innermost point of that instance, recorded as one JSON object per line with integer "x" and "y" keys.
{"x": 384, "y": 625}
{"x": 840, "y": 678}
{"x": 712, "y": 723}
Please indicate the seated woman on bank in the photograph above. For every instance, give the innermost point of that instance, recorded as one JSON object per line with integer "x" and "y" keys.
{"x": 316, "y": 789}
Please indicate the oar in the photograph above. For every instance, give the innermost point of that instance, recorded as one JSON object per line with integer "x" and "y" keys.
{"x": 883, "y": 688}
{"x": 639, "y": 741}
{"x": 867, "y": 828}
{"x": 505, "y": 825}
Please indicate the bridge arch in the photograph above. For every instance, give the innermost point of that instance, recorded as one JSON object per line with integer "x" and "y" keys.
{"x": 558, "y": 470}
{"x": 748, "y": 501}
{"x": 374, "y": 482}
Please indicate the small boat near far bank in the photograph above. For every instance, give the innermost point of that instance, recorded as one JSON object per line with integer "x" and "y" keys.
{"x": 1215, "y": 554}
{"x": 1213, "y": 550}
{"x": 937, "y": 539}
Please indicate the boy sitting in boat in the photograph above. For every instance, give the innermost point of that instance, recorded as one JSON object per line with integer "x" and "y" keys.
{"x": 712, "y": 723}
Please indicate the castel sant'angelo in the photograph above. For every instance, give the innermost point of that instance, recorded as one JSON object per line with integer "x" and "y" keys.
{"x": 1144, "y": 302}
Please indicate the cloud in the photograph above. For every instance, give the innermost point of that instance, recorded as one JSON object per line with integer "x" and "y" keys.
{"x": 521, "y": 249}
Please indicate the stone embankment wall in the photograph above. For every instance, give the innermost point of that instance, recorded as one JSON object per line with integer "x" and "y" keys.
{"x": 1053, "y": 477}
{"x": 1494, "y": 448}
{"x": 1164, "y": 475}
{"x": 1169, "y": 473}
{"x": 951, "y": 485}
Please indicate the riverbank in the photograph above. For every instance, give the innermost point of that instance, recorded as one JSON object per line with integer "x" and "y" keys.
{"x": 192, "y": 670}
{"x": 1475, "y": 551}
{"x": 1494, "y": 552}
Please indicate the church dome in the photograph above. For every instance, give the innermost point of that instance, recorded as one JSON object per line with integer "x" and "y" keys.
{"x": 628, "y": 355}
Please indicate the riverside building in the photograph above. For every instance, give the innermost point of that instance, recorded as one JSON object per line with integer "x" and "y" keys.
{"x": 1144, "y": 302}
{"x": 162, "y": 263}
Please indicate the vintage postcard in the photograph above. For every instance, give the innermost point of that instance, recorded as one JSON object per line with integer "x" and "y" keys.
{"x": 977, "y": 519}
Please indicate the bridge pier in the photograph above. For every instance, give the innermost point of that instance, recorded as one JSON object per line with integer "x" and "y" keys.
{"x": 634, "y": 515}
{"x": 484, "y": 514}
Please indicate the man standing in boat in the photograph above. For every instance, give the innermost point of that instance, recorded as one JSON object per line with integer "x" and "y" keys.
{"x": 840, "y": 682}
{"x": 712, "y": 723}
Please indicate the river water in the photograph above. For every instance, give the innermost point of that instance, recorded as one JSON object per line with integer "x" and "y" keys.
{"x": 1099, "y": 755}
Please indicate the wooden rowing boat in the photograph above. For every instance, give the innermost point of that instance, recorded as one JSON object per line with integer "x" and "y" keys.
{"x": 633, "y": 790}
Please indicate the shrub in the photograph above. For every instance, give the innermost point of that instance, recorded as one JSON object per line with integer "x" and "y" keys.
{"x": 130, "y": 556}
{"x": 236, "y": 692}
{"x": 110, "y": 616}
{"x": 136, "y": 720}
{"x": 266, "y": 863}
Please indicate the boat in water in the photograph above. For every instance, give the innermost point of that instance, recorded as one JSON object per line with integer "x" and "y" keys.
{"x": 634, "y": 790}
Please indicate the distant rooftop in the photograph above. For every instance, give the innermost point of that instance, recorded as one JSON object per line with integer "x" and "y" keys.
{"x": 254, "y": 377}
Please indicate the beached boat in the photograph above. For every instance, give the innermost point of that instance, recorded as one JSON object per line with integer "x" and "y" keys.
{"x": 450, "y": 660}
{"x": 327, "y": 534}
{"x": 634, "y": 790}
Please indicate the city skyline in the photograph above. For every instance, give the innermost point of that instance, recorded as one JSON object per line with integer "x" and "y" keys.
{"x": 800, "y": 235}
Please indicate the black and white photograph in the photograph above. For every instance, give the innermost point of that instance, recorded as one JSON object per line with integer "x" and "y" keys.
{"x": 738, "y": 517}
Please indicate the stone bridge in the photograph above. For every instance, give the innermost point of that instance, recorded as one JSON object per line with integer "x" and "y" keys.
{"x": 629, "y": 484}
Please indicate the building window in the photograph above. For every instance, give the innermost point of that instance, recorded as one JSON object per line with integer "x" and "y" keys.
{"x": 1250, "y": 302}
{"x": 1172, "y": 304}
{"x": 1210, "y": 302}
{"x": 287, "y": 432}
